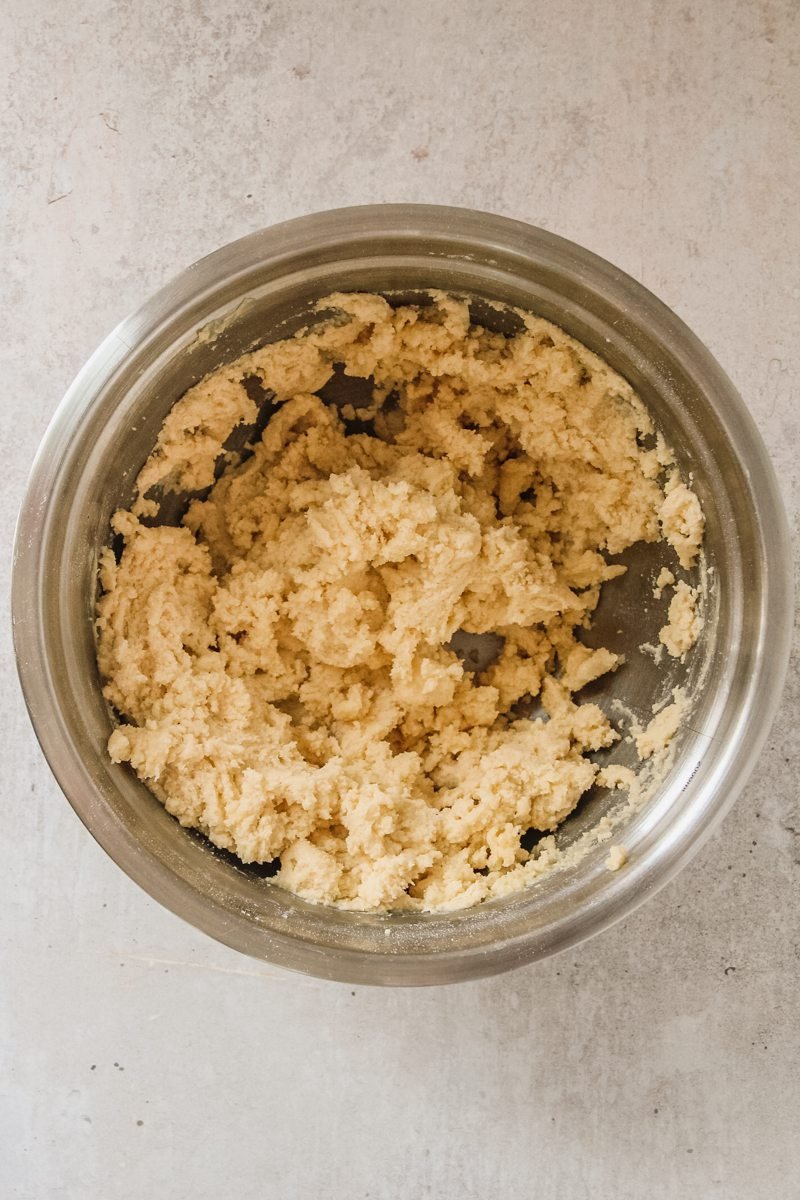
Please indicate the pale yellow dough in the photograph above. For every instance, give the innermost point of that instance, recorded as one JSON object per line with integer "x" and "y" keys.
{"x": 617, "y": 858}
{"x": 281, "y": 660}
{"x": 661, "y": 730}
{"x": 685, "y": 622}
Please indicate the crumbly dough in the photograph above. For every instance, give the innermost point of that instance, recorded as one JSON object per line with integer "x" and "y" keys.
{"x": 281, "y": 661}
{"x": 665, "y": 579}
{"x": 658, "y": 734}
{"x": 617, "y": 858}
{"x": 684, "y": 621}
{"x": 682, "y": 520}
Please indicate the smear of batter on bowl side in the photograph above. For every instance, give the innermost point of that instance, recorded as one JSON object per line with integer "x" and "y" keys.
{"x": 282, "y": 660}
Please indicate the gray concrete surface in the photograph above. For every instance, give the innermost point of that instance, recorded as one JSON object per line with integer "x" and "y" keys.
{"x": 138, "y": 1058}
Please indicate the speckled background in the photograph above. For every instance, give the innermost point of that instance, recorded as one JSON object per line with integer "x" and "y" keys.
{"x": 138, "y": 1057}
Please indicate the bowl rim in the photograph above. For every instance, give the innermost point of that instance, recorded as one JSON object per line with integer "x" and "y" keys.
{"x": 640, "y": 879}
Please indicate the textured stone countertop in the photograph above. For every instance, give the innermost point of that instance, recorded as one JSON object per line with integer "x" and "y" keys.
{"x": 137, "y": 1057}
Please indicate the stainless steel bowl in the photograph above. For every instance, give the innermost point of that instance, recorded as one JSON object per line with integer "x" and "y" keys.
{"x": 260, "y": 288}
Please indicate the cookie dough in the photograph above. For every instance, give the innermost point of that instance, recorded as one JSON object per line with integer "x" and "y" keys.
{"x": 282, "y": 662}
{"x": 665, "y": 580}
{"x": 617, "y": 858}
{"x": 684, "y": 621}
{"x": 660, "y": 731}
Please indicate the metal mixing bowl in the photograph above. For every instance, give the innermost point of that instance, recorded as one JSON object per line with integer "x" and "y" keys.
{"x": 260, "y": 288}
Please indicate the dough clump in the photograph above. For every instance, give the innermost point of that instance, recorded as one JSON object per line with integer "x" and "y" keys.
{"x": 685, "y": 622}
{"x": 282, "y": 660}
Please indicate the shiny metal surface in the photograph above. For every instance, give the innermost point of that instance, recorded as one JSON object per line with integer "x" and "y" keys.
{"x": 260, "y": 288}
